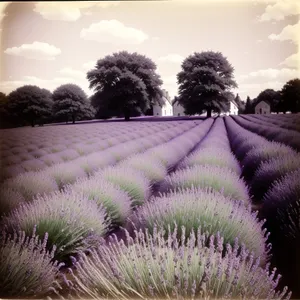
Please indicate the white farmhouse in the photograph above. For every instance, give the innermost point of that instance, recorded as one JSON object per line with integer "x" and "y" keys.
{"x": 234, "y": 109}
{"x": 262, "y": 107}
{"x": 166, "y": 109}
{"x": 178, "y": 109}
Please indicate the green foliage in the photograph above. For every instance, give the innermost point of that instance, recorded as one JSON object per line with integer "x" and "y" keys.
{"x": 249, "y": 109}
{"x": 71, "y": 102}
{"x": 291, "y": 96}
{"x": 29, "y": 105}
{"x": 205, "y": 82}
{"x": 125, "y": 83}
{"x": 26, "y": 269}
{"x": 152, "y": 267}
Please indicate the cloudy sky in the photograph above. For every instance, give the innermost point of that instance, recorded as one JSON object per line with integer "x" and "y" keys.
{"x": 49, "y": 44}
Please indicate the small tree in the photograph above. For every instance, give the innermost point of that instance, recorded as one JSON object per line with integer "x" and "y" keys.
{"x": 205, "y": 82}
{"x": 71, "y": 102}
{"x": 290, "y": 94}
{"x": 249, "y": 107}
{"x": 125, "y": 83}
{"x": 29, "y": 105}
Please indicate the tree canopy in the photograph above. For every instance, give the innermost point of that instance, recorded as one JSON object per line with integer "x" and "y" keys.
{"x": 205, "y": 82}
{"x": 71, "y": 102}
{"x": 249, "y": 109}
{"x": 290, "y": 94}
{"x": 125, "y": 84}
{"x": 29, "y": 104}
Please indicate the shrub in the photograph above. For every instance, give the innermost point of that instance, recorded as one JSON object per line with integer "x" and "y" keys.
{"x": 154, "y": 170}
{"x": 152, "y": 267}
{"x": 33, "y": 165}
{"x": 65, "y": 173}
{"x": 11, "y": 160}
{"x": 96, "y": 161}
{"x": 9, "y": 199}
{"x": 261, "y": 154}
{"x": 217, "y": 178}
{"x": 27, "y": 269}
{"x": 32, "y": 183}
{"x": 206, "y": 209}
{"x": 58, "y": 148}
{"x": 116, "y": 202}
{"x": 214, "y": 157}
{"x": 71, "y": 220}
{"x": 129, "y": 180}
{"x": 68, "y": 154}
{"x": 38, "y": 153}
{"x": 282, "y": 193}
{"x": 270, "y": 171}
{"x": 51, "y": 159}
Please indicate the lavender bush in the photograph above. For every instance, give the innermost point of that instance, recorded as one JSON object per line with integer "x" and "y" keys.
{"x": 153, "y": 267}
{"x": 31, "y": 183}
{"x": 217, "y": 178}
{"x": 65, "y": 173}
{"x": 26, "y": 269}
{"x": 270, "y": 171}
{"x": 71, "y": 221}
{"x": 209, "y": 210}
{"x": 129, "y": 180}
{"x": 261, "y": 154}
{"x": 214, "y": 157}
{"x": 9, "y": 199}
{"x": 116, "y": 202}
{"x": 33, "y": 165}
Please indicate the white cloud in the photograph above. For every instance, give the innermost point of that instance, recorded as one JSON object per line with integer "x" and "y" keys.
{"x": 36, "y": 50}
{"x": 290, "y": 32}
{"x": 280, "y": 9}
{"x": 113, "y": 31}
{"x": 253, "y": 89}
{"x": 270, "y": 74}
{"x": 172, "y": 58}
{"x": 293, "y": 61}
{"x": 71, "y": 73}
{"x": 68, "y": 11}
{"x": 89, "y": 65}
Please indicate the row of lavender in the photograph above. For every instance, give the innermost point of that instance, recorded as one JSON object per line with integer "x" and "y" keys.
{"x": 272, "y": 133}
{"x": 272, "y": 171}
{"x": 199, "y": 238}
{"x": 38, "y": 155}
{"x": 291, "y": 122}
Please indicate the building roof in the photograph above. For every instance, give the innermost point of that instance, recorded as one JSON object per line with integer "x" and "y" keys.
{"x": 266, "y": 101}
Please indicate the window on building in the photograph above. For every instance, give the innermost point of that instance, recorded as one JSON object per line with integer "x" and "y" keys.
{"x": 260, "y": 111}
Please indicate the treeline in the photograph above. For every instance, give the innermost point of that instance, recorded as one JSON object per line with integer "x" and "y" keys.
{"x": 127, "y": 84}
{"x": 285, "y": 100}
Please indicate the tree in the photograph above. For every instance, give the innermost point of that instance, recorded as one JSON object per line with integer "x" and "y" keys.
{"x": 29, "y": 105}
{"x": 290, "y": 94}
{"x": 272, "y": 97}
{"x": 125, "y": 84}
{"x": 249, "y": 106}
{"x": 205, "y": 82}
{"x": 240, "y": 104}
{"x": 71, "y": 102}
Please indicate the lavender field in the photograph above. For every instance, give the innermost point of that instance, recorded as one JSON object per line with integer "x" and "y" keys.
{"x": 196, "y": 209}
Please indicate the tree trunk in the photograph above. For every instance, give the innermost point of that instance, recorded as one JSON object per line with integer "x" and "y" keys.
{"x": 32, "y": 123}
{"x": 73, "y": 119}
{"x": 208, "y": 113}
{"x": 127, "y": 114}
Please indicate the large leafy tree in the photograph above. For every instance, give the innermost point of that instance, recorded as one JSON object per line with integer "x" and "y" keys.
{"x": 205, "y": 82}
{"x": 290, "y": 94}
{"x": 29, "y": 104}
{"x": 4, "y": 119}
{"x": 272, "y": 97}
{"x": 125, "y": 84}
{"x": 71, "y": 103}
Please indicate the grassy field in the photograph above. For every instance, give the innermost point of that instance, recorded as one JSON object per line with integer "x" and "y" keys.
{"x": 153, "y": 208}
